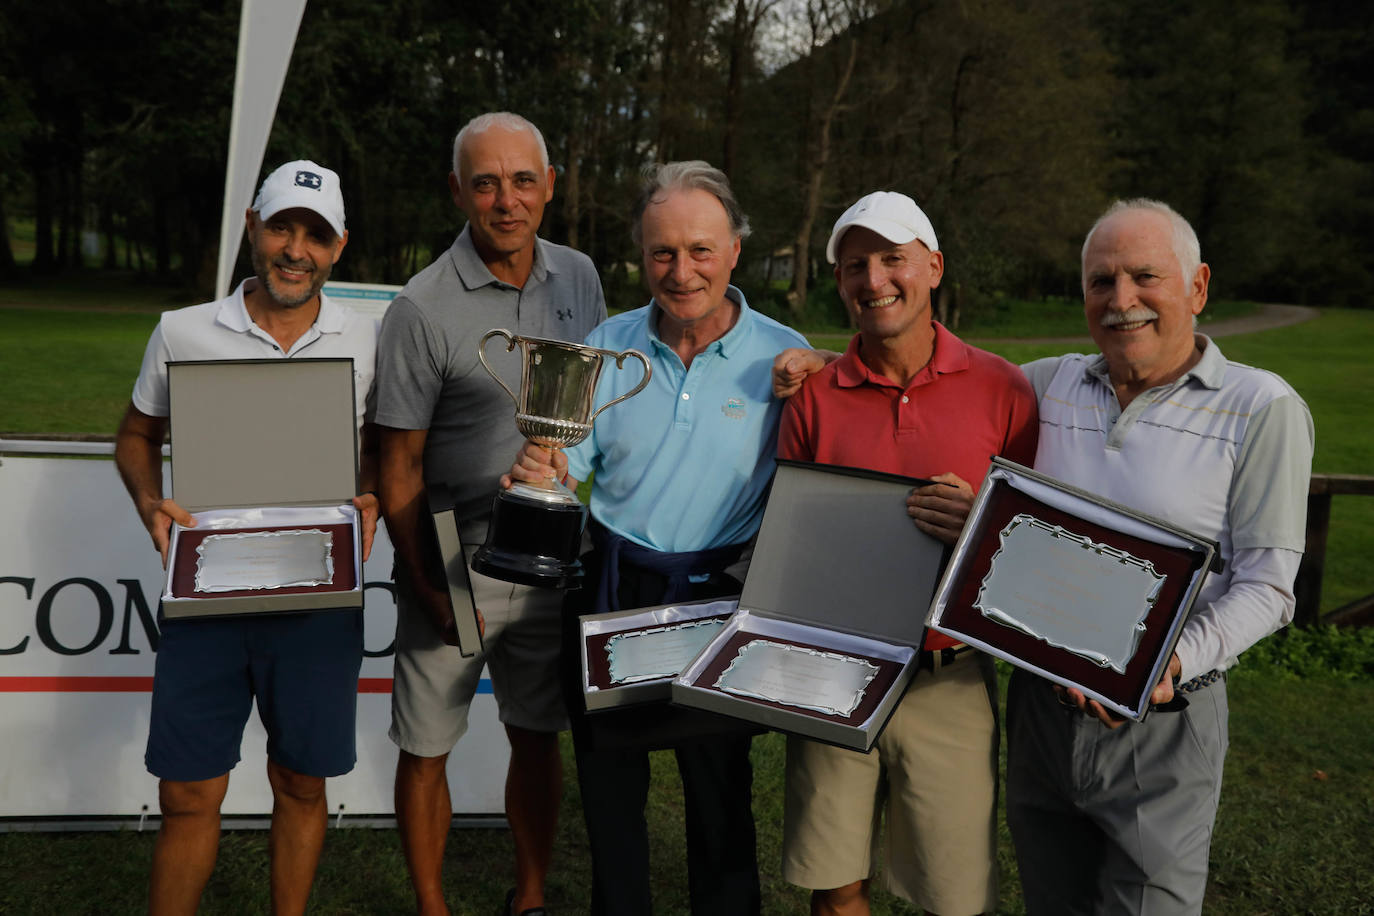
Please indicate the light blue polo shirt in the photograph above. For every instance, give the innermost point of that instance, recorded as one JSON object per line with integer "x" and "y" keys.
{"x": 684, "y": 464}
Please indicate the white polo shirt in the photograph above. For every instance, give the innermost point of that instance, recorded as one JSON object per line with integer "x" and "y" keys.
{"x": 1224, "y": 452}
{"x": 224, "y": 330}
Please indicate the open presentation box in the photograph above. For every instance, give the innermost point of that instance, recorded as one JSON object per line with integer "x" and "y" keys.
{"x": 631, "y": 657}
{"x": 1073, "y": 587}
{"x": 832, "y": 615}
{"x": 265, "y": 456}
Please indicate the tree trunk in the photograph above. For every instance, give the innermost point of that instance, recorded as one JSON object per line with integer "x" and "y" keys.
{"x": 572, "y": 183}
{"x": 64, "y": 221}
{"x": 8, "y": 269}
{"x": 44, "y": 259}
{"x": 743, "y": 27}
{"x": 815, "y": 174}
{"x": 162, "y": 242}
{"x": 107, "y": 228}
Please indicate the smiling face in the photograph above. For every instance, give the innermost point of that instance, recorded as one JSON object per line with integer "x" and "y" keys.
{"x": 886, "y": 287}
{"x": 293, "y": 252}
{"x": 502, "y": 187}
{"x": 1138, "y": 303}
{"x": 689, "y": 251}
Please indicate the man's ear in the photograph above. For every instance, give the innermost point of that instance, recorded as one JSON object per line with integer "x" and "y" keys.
{"x": 1198, "y": 292}
{"x": 338, "y": 249}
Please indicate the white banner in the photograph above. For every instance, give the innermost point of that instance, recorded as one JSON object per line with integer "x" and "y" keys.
{"x": 79, "y": 581}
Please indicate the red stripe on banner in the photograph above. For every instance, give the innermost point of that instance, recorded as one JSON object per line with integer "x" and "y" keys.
{"x": 128, "y": 684}
{"x": 76, "y": 684}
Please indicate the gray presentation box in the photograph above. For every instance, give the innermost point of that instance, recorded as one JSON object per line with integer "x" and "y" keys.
{"x": 275, "y": 435}
{"x": 465, "y": 625}
{"x": 838, "y": 568}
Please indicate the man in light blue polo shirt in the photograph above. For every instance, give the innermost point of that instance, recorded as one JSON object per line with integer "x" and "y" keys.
{"x": 681, "y": 471}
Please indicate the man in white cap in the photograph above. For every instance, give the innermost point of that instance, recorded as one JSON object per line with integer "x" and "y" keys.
{"x": 301, "y": 668}
{"x": 906, "y": 397}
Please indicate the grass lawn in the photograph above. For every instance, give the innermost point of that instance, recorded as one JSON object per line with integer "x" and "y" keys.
{"x": 68, "y": 371}
{"x": 1297, "y": 817}
{"x": 1293, "y": 835}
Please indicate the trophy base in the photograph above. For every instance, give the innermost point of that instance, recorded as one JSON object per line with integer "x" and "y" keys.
{"x": 533, "y": 540}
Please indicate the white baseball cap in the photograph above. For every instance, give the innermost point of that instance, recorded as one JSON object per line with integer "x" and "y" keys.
{"x": 302, "y": 183}
{"x": 892, "y": 215}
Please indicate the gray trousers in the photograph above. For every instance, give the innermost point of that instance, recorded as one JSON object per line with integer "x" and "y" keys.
{"x": 1112, "y": 821}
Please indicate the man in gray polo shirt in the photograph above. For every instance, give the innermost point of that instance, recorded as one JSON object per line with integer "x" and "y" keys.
{"x": 447, "y": 434}
{"x": 1111, "y": 816}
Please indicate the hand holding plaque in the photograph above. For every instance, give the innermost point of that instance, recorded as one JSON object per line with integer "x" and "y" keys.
{"x": 536, "y": 529}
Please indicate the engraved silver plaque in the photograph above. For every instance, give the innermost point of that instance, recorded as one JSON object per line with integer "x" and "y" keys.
{"x": 642, "y": 655}
{"x": 249, "y": 561}
{"x": 826, "y": 682}
{"x": 1075, "y": 594}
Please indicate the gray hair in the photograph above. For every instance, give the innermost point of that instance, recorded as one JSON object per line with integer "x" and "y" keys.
{"x": 1184, "y": 239}
{"x": 691, "y": 175}
{"x": 506, "y": 121}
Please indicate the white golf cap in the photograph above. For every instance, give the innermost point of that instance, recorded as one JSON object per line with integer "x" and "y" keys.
{"x": 892, "y": 215}
{"x": 302, "y": 184}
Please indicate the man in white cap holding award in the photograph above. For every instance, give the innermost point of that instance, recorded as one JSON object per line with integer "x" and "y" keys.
{"x": 906, "y": 397}
{"x": 300, "y": 668}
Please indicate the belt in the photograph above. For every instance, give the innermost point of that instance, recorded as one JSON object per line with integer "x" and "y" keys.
{"x": 933, "y": 660}
{"x": 1180, "y": 700}
{"x": 1199, "y": 682}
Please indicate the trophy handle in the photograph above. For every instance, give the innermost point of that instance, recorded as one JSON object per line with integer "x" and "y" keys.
{"x": 482, "y": 357}
{"x": 620, "y": 364}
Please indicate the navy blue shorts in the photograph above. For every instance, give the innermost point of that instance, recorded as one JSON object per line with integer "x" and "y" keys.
{"x": 301, "y": 668}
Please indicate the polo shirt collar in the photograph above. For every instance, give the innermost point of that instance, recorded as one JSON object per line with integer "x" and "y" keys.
{"x": 1210, "y": 370}
{"x": 474, "y": 273}
{"x": 951, "y": 355}
{"x": 233, "y": 312}
{"x": 728, "y": 344}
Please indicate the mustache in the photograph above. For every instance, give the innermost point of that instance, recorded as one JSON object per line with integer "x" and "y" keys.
{"x": 302, "y": 264}
{"x": 1139, "y": 313}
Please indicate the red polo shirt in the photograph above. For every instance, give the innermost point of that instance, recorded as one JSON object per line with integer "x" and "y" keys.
{"x": 965, "y": 406}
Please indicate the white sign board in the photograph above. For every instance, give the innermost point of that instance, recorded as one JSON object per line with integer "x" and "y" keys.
{"x": 79, "y": 581}
{"x": 370, "y": 299}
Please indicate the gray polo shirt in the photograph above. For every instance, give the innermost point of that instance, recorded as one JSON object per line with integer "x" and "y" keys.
{"x": 1224, "y": 451}
{"x": 429, "y": 377}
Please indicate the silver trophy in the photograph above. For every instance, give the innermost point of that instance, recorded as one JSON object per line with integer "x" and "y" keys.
{"x": 536, "y": 529}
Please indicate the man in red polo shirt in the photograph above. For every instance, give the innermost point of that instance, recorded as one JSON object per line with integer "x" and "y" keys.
{"x": 906, "y": 397}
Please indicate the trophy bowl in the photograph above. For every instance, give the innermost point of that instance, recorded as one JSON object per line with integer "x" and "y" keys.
{"x": 536, "y": 530}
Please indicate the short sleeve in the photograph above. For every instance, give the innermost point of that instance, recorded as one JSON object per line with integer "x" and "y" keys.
{"x": 409, "y": 369}
{"x": 150, "y": 390}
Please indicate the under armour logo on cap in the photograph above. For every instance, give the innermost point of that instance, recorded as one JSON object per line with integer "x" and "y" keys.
{"x": 302, "y": 183}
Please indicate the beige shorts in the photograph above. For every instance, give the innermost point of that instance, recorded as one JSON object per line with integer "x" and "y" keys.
{"x": 434, "y": 685}
{"x": 934, "y": 770}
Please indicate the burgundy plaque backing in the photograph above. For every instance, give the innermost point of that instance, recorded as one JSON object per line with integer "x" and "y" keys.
{"x": 873, "y": 694}
{"x": 1177, "y": 565}
{"x": 184, "y": 563}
